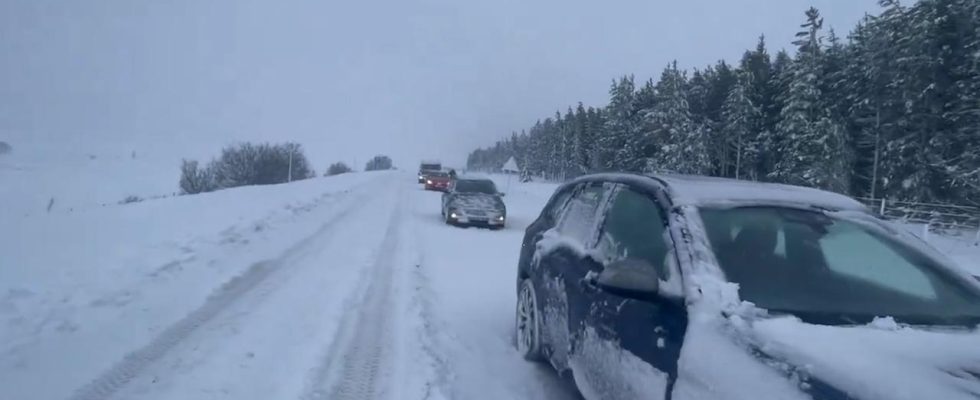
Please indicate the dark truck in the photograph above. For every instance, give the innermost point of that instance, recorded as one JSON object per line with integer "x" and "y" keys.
{"x": 427, "y": 167}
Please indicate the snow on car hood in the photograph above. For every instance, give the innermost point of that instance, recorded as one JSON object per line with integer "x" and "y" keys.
{"x": 715, "y": 365}
{"x": 877, "y": 361}
{"x": 477, "y": 201}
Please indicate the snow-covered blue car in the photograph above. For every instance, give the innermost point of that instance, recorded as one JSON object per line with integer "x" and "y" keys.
{"x": 677, "y": 287}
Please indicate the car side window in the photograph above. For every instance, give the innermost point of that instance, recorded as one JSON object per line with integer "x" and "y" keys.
{"x": 557, "y": 205}
{"x": 635, "y": 227}
{"x": 578, "y": 219}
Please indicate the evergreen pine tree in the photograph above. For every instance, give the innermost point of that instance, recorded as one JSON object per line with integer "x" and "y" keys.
{"x": 741, "y": 122}
{"x": 758, "y": 67}
{"x": 621, "y": 126}
{"x": 682, "y": 143}
{"x": 582, "y": 141}
{"x": 815, "y": 151}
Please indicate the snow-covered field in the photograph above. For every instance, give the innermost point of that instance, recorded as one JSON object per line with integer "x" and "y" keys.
{"x": 962, "y": 247}
{"x": 346, "y": 287}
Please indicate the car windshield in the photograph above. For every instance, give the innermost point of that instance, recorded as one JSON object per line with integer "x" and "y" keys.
{"x": 832, "y": 270}
{"x": 476, "y": 186}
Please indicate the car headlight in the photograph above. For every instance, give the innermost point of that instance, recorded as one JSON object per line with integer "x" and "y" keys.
{"x": 429, "y": 181}
{"x": 453, "y": 215}
{"x": 500, "y": 218}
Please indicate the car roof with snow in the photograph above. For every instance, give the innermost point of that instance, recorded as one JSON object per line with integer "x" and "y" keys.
{"x": 703, "y": 190}
{"x": 473, "y": 177}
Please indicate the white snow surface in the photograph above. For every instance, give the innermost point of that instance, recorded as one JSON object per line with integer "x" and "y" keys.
{"x": 347, "y": 287}
{"x": 714, "y": 365}
{"x": 694, "y": 190}
{"x": 963, "y": 247}
{"x": 881, "y": 360}
{"x": 78, "y": 172}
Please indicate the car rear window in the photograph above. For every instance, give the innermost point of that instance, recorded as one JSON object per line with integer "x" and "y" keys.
{"x": 476, "y": 186}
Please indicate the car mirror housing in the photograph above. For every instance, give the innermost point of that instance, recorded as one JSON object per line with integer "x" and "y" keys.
{"x": 630, "y": 278}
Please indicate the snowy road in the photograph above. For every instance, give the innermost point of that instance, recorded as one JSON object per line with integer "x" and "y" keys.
{"x": 467, "y": 279}
{"x": 381, "y": 301}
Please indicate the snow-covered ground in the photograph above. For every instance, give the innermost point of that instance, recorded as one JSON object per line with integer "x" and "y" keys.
{"x": 963, "y": 247}
{"x": 341, "y": 287}
{"x": 346, "y": 287}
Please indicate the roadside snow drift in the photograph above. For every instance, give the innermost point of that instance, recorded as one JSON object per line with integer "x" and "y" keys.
{"x": 79, "y": 289}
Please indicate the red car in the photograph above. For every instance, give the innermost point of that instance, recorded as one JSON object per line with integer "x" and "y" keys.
{"x": 437, "y": 181}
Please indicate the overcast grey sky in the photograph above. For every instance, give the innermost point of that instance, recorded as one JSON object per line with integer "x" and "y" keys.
{"x": 411, "y": 78}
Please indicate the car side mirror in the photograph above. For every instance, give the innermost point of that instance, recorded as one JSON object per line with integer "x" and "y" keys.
{"x": 502, "y": 194}
{"x": 631, "y": 278}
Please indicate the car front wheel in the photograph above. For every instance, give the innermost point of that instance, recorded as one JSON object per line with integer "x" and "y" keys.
{"x": 528, "y": 324}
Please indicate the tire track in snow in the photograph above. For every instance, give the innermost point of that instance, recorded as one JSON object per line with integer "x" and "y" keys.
{"x": 355, "y": 365}
{"x": 134, "y": 363}
{"x": 429, "y": 330}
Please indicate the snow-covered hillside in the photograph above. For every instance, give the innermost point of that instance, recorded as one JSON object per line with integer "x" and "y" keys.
{"x": 83, "y": 174}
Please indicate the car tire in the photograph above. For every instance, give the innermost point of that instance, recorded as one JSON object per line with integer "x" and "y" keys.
{"x": 527, "y": 323}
